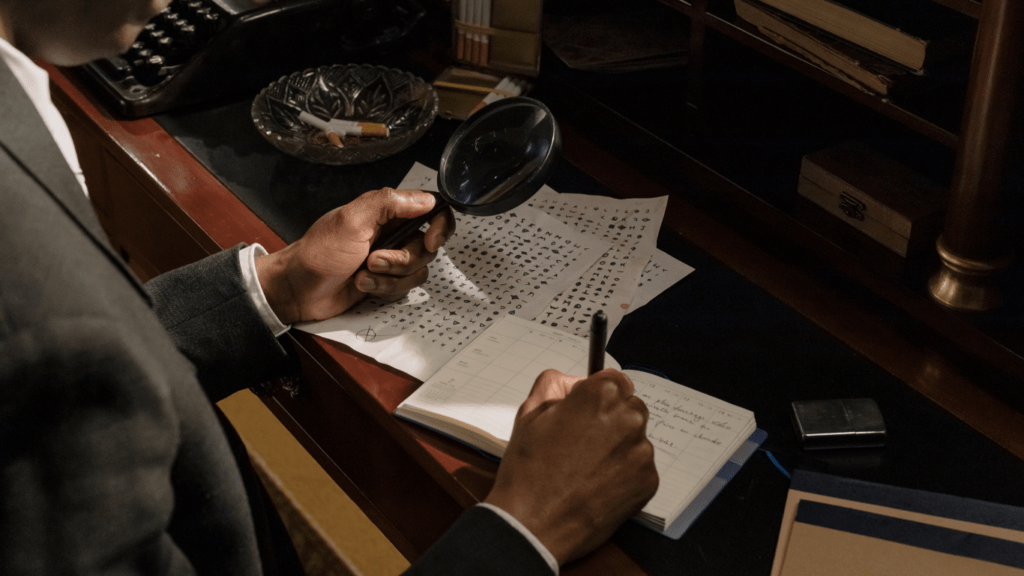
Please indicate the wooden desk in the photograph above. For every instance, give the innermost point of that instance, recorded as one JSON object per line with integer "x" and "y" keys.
{"x": 163, "y": 209}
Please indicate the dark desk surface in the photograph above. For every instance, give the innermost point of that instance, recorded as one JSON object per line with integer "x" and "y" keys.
{"x": 715, "y": 331}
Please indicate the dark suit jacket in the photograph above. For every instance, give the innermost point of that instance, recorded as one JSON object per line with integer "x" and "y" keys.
{"x": 113, "y": 458}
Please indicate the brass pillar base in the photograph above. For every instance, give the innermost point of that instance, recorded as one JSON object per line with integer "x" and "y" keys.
{"x": 968, "y": 285}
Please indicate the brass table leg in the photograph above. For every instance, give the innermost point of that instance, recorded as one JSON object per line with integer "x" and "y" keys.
{"x": 964, "y": 284}
{"x": 972, "y": 247}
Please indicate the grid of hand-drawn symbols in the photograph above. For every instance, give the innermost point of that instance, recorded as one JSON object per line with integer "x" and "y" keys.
{"x": 490, "y": 266}
{"x": 631, "y": 226}
{"x": 661, "y": 273}
{"x": 652, "y": 273}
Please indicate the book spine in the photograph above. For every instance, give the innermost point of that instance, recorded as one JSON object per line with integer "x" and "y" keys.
{"x": 789, "y": 36}
{"x": 859, "y": 29}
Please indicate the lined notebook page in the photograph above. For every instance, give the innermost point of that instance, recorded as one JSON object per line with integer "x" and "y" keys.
{"x": 693, "y": 436}
{"x": 475, "y": 397}
{"x": 482, "y": 387}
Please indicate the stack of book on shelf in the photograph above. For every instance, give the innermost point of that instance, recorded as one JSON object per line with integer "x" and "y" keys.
{"x": 881, "y": 46}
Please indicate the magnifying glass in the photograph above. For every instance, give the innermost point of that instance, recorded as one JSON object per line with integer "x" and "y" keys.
{"x": 494, "y": 162}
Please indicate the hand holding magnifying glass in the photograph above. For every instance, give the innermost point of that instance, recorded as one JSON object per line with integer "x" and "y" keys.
{"x": 494, "y": 162}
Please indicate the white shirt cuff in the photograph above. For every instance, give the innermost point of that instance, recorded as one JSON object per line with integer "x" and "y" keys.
{"x": 548, "y": 557}
{"x": 247, "y": 259}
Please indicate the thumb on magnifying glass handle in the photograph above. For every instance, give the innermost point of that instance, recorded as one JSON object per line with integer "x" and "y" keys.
{"x": 396, "y": 237}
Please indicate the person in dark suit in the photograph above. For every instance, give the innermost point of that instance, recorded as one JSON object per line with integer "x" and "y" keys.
{"x": 113, "y": 456}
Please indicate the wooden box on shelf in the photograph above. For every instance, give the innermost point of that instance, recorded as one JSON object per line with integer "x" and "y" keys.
{"x": 889, "y": 202}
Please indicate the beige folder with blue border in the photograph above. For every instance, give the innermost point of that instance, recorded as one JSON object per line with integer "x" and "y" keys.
{"x": 843, "y": 527}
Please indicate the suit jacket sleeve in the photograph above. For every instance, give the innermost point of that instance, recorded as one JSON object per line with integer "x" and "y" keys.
{"x": 212, "y": 320}
{"x": 481, "y": 542}
{"x": 214, "y": 323}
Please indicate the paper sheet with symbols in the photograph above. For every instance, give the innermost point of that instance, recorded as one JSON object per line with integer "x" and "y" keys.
{"x": 530, "y": 262}
{"x": 630, "y": 226}
{"x": 661, "y": 273}
{"x": 513, "y": 263}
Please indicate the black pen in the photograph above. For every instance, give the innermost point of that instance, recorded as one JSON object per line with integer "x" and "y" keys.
{"x": 598, "y": 336}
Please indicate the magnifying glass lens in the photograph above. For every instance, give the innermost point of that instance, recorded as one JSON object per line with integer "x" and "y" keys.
{"x": 493, "y": 163}
{"x": 497, "y": 160}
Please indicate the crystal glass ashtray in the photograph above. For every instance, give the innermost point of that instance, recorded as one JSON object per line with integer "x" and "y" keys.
{"x": 399, "y": 100}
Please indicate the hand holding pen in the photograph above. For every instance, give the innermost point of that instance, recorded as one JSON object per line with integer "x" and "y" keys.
{"x": 590, "y": 435}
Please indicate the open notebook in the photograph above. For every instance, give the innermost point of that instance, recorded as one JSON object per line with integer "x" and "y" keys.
{"x": 700, "y": 441}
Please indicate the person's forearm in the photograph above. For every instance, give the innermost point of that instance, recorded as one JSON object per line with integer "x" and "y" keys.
{"x": 271, "y": 288}
{"x": 247, "y": 258}
{"x": 207, "y": 310}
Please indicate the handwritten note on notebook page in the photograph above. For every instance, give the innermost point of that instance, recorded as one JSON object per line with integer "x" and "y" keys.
{"x": 693, "y": 435}
{"x": 475, "y": 396}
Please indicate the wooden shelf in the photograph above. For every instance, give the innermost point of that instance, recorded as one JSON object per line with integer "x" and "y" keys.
{"x": 735, "y": 153}
{"x": 722, "y": 19}
{"x": 747, "y": 34}
{"x": 971, "y": 8}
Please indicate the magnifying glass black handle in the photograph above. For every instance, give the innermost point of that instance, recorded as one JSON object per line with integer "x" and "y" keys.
{"x": 395, "y": 238}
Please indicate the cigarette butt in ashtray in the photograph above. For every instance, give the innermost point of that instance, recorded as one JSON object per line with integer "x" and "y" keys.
{"x": 346, "y": 127}
{"x": 367, "y": 129}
